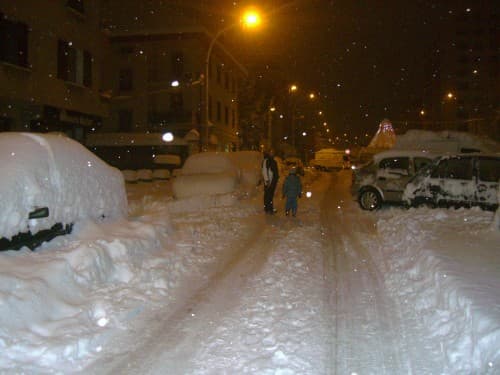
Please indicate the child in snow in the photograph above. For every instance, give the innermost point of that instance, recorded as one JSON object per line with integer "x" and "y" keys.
{"x": 292, "y": 189}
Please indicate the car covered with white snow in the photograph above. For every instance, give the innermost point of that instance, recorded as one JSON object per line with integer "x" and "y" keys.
{"x": 48, "y": 183}
{"x": 384, "y": 178}
{"x": 458, "y": 180}
{"x": 216, "y": 173}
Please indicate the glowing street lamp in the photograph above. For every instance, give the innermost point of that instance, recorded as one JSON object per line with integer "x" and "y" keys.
{"x": 168, "y": 137}
{"x": 250, "y": 19}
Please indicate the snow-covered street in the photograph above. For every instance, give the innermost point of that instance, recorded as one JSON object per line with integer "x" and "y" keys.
{"x": 181, "y": 289}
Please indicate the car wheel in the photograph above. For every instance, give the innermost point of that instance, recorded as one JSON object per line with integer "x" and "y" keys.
{"x": 370, "y": 200}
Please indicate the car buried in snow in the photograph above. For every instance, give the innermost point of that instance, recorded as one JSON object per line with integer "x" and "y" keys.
{"x": 384, "y": 178}
{"x": 48, "y": 183}
{"x": 460, "y": 180}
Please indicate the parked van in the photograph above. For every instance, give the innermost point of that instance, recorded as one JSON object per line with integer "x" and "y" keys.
{"x": 457, "y": 180}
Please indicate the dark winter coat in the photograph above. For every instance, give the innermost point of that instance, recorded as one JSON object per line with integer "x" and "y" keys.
{"x": 292, "y": 187}
{"x": 270, "y": 172}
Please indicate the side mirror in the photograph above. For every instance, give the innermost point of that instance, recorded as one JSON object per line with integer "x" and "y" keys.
{"x": 39, "y": 213}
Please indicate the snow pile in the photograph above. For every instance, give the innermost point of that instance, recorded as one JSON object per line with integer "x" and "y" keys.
{"x": 496, "y": 221}
{"x": 450, "y": 277}
{"x": 72, "y": 292}
{"x": 445, "y": 141}
{"x": 49, "y": 170}
{"x": 235, "y": 291}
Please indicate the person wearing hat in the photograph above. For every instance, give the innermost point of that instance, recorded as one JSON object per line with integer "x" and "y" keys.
{"x": 270, "y": 175}
{"x": 292, "y": 189}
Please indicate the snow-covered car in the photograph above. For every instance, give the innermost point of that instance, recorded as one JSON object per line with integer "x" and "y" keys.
{"x": 48, "y": 183}
{"x": 213, "y": 173}
{"x": 384, "y": 178}
{"x": 457, "y": 180}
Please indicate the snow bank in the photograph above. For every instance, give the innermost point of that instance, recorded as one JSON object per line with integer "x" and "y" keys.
{"x": 444, "y": 141}
{"x": 450, "y": 278}
{"x": 496, "y": 220}
{"x": 49, "y": 170}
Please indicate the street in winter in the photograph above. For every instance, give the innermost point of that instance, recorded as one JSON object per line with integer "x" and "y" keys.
{"x": 289, "y": 187}
{"x": 211, "y": 284}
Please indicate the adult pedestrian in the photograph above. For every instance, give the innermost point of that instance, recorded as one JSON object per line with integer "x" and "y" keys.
{"x": 271, "y": 176}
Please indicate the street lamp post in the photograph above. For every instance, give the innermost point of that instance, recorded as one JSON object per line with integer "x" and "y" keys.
{"x": 250, "y": 19}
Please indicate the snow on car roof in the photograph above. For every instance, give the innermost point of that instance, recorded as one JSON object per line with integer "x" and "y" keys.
{"x": 399, "y": 153}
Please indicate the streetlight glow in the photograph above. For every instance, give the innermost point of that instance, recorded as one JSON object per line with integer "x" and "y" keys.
{"x": 251, "y": 18}
{"x": 168, "y": 137}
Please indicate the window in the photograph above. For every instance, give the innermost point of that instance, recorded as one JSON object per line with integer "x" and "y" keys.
{"x": 13, "y": 42}
{"x": 73, "y": 64}
{"x": 125, "y": 120}
{"x": 125, "y": 81}
{"x": 5, "y": 124}
{"x": 421, "y": 162}
{"x": 454, "y": 168}
{"x": 226, "y": 80}
{"x": 226, "y": 115}
{"x": 76, "y": 5}
{"x": 401, "y": 163}
{"x": 489, "y": 169}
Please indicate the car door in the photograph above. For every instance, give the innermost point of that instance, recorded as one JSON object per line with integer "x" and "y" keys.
{"x": 452, "y": 182}
{"x": 488, "y": 175}
{"x": 392, "y": 176}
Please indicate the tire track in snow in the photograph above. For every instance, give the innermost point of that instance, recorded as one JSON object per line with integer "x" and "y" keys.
{"x": 168, "y": 344}
{"x": 367, "y": 327}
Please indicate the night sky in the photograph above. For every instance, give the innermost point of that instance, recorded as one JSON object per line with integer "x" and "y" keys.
{"x": 370, "y": 60}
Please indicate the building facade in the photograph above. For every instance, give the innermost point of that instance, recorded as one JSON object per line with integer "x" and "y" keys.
{"x": 84, "y": 67}
{"x": 50, "y": 71}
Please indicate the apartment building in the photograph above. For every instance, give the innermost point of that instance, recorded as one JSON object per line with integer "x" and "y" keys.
{"x": 50, "y": 74}
{"x": 89, "y": 69}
